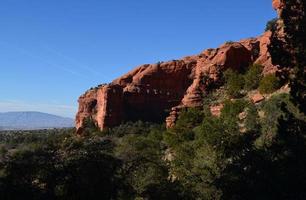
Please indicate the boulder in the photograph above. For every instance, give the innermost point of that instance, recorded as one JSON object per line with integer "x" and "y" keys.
{"x": 256, "y": 98}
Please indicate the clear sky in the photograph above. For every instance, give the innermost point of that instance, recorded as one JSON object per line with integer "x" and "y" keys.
{"x": 51, "y": 51}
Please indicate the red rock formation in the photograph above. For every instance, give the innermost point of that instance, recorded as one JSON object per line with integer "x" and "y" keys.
{"x": 278, "y": 5}
{"x": 256, "y": 98}
{"x": 159, "y": 91}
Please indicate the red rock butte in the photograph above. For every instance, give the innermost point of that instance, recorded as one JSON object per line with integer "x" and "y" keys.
{"x": 158, "y": 92}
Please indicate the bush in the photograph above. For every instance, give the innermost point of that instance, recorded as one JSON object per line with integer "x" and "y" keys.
{"x": 229, "y": 42}
{"x": 135, "y": 128}
{"x": 276, "y": 108}
{"x": 253, "y": 77}
{"x": 252, "y": 119}
{"x": 269, "y": 84}
{"x": 234, "y": 83}
{"x": 231, "y": 109}
{"x": 183, "y": 129}
{"x": 271, "y": 25}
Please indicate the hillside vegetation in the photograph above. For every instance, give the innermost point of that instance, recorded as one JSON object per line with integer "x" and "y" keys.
{"x": 250, "y": 151}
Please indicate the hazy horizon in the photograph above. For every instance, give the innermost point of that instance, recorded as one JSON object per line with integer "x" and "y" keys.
{"x": 31, "y": 111}
{"x": 52, "y": 52}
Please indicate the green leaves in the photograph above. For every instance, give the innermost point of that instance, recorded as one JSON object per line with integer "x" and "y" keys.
{"x": 234, "y": 83}
{"x": 271, "y": 25}
{"x": 269, "y": 84}
{"x": 253, "y": 77}
{"x": 235, "y": 156}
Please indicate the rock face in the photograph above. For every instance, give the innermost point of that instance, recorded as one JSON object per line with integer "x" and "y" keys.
{"x": 158, "y": 92}
{"x": 155, "y": 92}
{"x": 256, "y": 98}
{"x": 278, "y": 5}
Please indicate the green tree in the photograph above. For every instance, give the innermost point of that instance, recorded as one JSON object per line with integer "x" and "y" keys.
{"x": 269, "y": 84}
{"x": 271, "y": 24}
{"x": 292, "y": 51}
{"x": 29, "y": 174}
{"x": 184, "y": 128}
{"x": 90, "y": 172}
{"x": 279, "y": 151}
{"x": 252, "y": 121}
{"x": 144, "y": 167}
{"x": 253, "y": 77}
{"x": 234, "y": 83}
{"x": 231, "y": 109}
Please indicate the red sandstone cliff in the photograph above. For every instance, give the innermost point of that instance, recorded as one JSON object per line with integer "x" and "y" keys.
{"x": 159, "y": 91}
{"x": 154, "y": 92}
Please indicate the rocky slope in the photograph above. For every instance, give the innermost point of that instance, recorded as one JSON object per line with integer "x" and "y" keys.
{"x": 155, "y": 92}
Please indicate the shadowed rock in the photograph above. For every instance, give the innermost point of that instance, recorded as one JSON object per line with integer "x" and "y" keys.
{"x": 158, "y": 92}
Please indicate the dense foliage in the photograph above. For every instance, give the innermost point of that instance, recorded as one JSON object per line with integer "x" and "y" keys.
{"x": 122, "y": 163}
{"x": 237, "y": 83}
{"x": 269, "y": 84}
{"x": 242, "y": 155}
{"x": 246, "y": 153}
{"x": 253, "y": 77}
{"x": 292, "y": 52}
{"x": 294, "y": 19}
{"x": 234, "y": 82}
{"x": 271, "y": 25}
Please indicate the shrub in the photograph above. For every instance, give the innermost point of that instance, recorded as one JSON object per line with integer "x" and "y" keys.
{"x": 90, "y": 127}
{"x": 183, "y": 129}
{"x": 271, "y": 25}
{"x": 229, "y": 42}
{"x": 231, "y": 109}
{"x": 3, "y": 150}
{"x": 253, "y": 77}
{"x": 234, "y": 83}
{"x": 135, "y": 128}
{"x": 252, "y": 119}
{"x": 269, "y": 84}
{"x": 276, "y": 109}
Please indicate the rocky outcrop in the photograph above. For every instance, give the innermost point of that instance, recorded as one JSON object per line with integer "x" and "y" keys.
{"x": 155, "y": 92}
{"x": 256, "y": 98}
{"x": 103, "y": 105}
{"x": 278, "y": 5}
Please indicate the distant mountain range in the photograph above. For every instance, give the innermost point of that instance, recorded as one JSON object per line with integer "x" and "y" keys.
{"x": 32, "y": 121}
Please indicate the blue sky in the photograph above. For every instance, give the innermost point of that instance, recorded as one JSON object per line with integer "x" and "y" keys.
{"x": 51, "y": 51}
